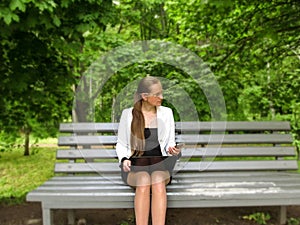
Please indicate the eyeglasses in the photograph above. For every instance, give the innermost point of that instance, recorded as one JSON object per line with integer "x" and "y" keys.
{"x": 155, "y": 95}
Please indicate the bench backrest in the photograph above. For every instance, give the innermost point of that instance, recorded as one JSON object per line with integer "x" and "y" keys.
{"x": 208, "y": 147}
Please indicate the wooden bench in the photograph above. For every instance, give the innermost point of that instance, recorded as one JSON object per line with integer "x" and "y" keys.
{"x": 223, "y": 164}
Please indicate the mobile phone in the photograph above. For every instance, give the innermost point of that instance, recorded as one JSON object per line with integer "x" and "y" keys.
{"x": 179, "y": 145}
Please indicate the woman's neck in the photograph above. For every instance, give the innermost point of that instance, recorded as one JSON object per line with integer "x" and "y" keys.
{"x": 149, "y": 112}
{"x": 146, "y": 108}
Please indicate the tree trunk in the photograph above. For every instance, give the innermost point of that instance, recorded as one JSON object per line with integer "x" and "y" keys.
{"x": 26, "y": 145}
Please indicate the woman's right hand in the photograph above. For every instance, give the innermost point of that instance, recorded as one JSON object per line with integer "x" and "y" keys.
{"x": 126, "y": 165}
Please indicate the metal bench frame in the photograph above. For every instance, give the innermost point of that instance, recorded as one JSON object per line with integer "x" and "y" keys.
{"x": 223, "y": 164}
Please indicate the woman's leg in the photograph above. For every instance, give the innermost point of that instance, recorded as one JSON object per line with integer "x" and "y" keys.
{"x": 142, "y": 183}
{"x": 159, "y": 196}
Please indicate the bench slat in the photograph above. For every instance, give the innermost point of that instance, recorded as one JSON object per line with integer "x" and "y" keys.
{"x": 186, "y": 194}
{"x": 235, "y": 139}
{"x": 220, "y": 126}
{"x": 86, "y": 140}
{"x": 62, "y": 201}
{"x": 98, "y": 187}
{"x": 103, "y": 167}
{"x": 273, "y": 178}
{"x": 186, "y": 152}
{"x": 186, "y": 138}
{"x": 86, "y": 154}
{"x": 88, "y": 127}
{"x": 177, "y": 183}
{"x": 237, "y": 165}
{"x": 172, "y": 188}
{"x": 192, "y": 177}
{"x": 184, "y": 126}
{"x": 262, "y": 151}
{"x": 184, "y": 166}
{"x": 209, "y": 180}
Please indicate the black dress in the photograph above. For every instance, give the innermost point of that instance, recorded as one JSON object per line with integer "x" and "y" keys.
{"x": 152, "y": 147}
{"x": 152, "y": 159}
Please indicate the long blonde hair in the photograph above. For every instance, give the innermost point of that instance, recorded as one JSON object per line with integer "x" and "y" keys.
{"x": 137, "y": 138}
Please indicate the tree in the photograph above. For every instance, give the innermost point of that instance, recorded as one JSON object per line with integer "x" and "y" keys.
{"x": 41, "y": 47}
{"x": 239, "y": 39}
{"x": 251, "y": 46}
{"x": 253, "y": 49}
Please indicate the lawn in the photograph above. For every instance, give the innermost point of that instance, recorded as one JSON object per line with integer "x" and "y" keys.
{"x": 20, "y": 174}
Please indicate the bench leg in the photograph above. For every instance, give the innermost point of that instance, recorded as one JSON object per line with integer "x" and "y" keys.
{"x": 47, "y": 216}
{"x": 71, "y": 217}
{"x": 282, "y": 215}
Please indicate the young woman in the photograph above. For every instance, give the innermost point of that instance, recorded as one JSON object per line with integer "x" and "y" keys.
{"x": 147, "y": 133}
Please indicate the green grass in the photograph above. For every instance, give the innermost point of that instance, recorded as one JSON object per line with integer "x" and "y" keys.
{"x": 20, "y": 174}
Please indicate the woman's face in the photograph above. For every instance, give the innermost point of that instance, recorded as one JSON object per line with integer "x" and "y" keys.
{"x": 155, "y": 97}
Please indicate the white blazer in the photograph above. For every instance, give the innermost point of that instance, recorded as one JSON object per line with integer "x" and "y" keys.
{"x": 165, "y": 128}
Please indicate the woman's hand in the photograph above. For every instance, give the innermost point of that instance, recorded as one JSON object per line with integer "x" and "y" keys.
{"x": 126, "y": 165}
{"x": 174, "y": 150}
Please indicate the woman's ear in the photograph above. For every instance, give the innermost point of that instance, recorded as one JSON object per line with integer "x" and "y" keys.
{"x": 144, "y": 96}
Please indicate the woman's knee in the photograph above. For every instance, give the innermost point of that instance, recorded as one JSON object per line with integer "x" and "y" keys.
{"x": 160, "y": 177}
{"x": 142, "y": 179}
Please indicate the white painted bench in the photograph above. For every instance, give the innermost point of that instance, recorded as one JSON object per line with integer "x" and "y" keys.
{"x": 223, "y": 164}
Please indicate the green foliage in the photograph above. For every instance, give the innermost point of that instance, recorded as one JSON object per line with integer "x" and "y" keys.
{"x": 147, "y": 19}
{"x": 40, "y": 60}
{"x": 114, "y": 96}
{"x": 129, "y": 221}
{"x": 8, "y": 141}
{"x": 293, "y": 221}
{"x": 46, "y": 47}
{"x": 34, "y": 93}
{"x": 252, "y": 50}
{"x": 259, "y": 217}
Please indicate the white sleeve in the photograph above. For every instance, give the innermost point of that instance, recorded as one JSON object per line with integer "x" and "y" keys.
{"x": 123, "y": 145}
{"x": 171, "y": 139}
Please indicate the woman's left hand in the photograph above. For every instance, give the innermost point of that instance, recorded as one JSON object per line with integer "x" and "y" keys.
{"x": 174, "y": 150}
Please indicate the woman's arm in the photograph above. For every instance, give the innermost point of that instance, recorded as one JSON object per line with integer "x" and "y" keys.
{"x": 123, "y": 145}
